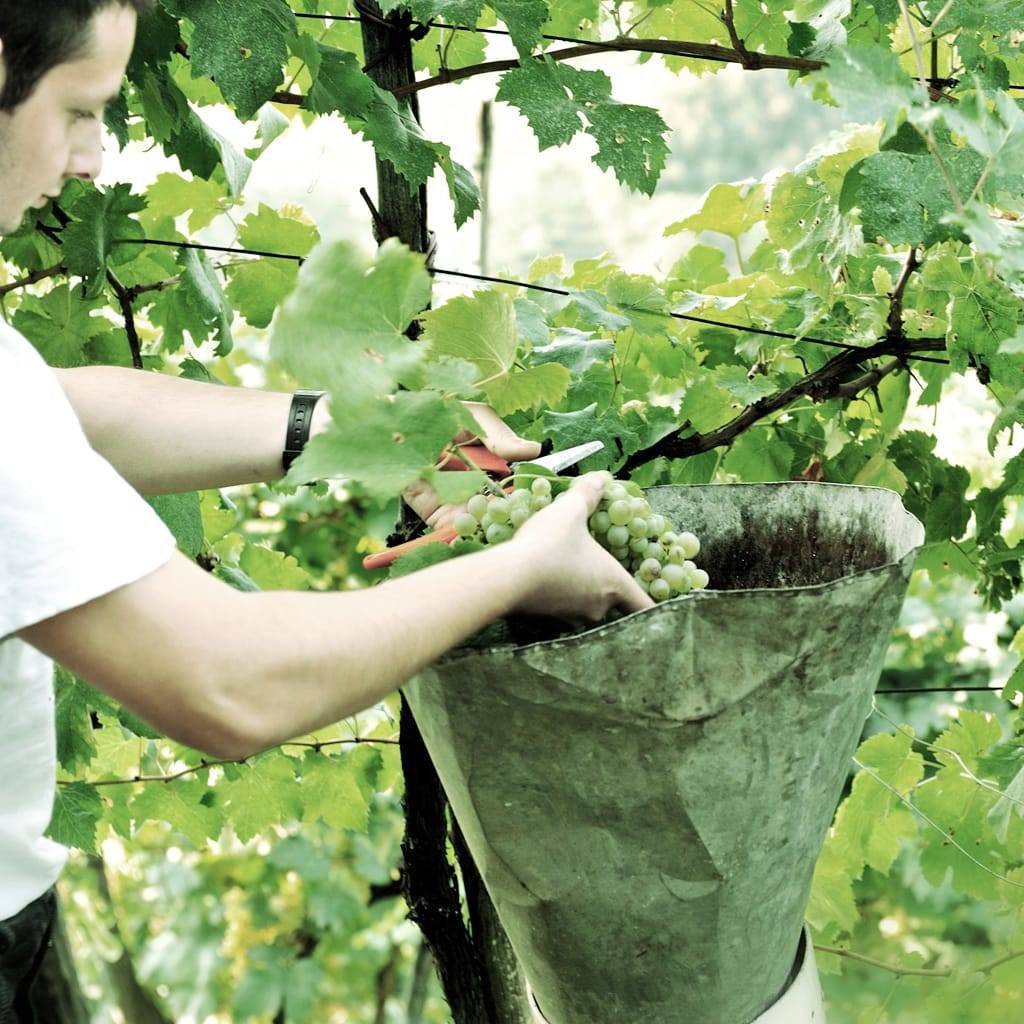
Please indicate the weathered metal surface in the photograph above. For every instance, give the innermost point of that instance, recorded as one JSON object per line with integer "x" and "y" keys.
{"x": 646, "y": 800}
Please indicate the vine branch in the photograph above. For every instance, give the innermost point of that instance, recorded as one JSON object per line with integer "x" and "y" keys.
{"x": 124, "y": 300}
{"x": 895, "y": 320}
{"x": 921, "y": 972}
{"x": 750, "y": 61}
{"x": 209, "y": 763}
{"x": 34, "y": 278}
{"x": 830, "y": 381}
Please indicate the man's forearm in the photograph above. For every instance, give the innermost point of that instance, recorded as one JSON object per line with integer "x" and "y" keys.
{"x": 165, "y": 435}
{"x": 308, "y": 659}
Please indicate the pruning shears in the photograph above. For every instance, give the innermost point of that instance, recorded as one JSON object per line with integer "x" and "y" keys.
{"x": 476, "y": 456}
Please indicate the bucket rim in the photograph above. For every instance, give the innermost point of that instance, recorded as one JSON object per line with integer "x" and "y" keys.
{"x": 744, "y": 593}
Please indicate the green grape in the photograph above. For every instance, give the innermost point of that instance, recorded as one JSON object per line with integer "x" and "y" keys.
{"x": 688, "y": 565}
{"x": 520, "y": 496}
{"x": 486, "y": 521}
{"x": 676, "y": 577}
{"x": 633, "y": 488}
{"x": 477, "y": 506}
{"x": 619, "y": 513}
{"x": 615, "y": 492}
{"x": 541, "y": 487}
{"x": 690, "y": 544}
{"x": 599, "y": 522}
{"x": 519, "y": 515}
{"x": 499, "y": 510}
{"x": 699, "y": 579}
{"x": 638, "y": 545}
{"x": 539, "y": 501}
{"x": 677, "y": 554}
{"x": 638, "y": 527}
{"x": 643, "y": 584}
{"x": 667, "y": 539}
{"x": 498, "y": 532}
{"x": 660, "y": 590}
{"x": 639, "y": 508}
{"x": 620, "y": 553}
{"x": 656, "y": 525}
{"x": 655, "y": 551}
{"x": 618, "y": 536}
{"x": 650, "y": 568}
{"x": 466, "y": 525}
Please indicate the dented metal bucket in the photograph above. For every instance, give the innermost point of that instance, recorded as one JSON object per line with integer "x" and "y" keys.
{"x": 646, "y": 800}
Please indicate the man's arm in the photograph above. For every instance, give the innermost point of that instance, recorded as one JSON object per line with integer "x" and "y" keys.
{"x": 233, "y": 673}
{"x": 165, "y": 435}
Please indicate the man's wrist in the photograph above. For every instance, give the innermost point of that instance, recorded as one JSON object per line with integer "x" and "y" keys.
{"x": 510, "y": 562}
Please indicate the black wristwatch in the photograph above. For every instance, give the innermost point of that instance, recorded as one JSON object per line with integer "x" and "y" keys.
{"x": 300, "y": 418}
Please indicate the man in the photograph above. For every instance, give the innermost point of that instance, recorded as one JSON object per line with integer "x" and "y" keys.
{"x": 102, "y": 588}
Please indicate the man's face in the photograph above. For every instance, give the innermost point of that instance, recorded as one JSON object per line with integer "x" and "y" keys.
{"x": 56, "y": 133}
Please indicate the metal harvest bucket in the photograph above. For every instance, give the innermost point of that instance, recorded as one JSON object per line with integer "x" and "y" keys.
{"x": 646, "y": 800}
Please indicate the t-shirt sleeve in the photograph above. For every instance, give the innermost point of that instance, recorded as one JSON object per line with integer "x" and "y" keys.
{"x": 71, "y": 528}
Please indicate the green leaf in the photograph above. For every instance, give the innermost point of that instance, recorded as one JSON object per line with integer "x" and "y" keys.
{"x": 567, "y": 429}
{"x": 102, "y": 217}
{"x": 278, "y": 231}
{"x": 742, "y": 387}
{"x": 76, "y": 810}
{"x": 528, "y": 389}
{"x": 263, "y": 793}
{"x": 331, "y": 791}
{"x": 524, "y": 19}
{"x": 272, "y": 570}
{"x": 59, "y": 324}
{"x": 172, "y": 196}
{"x": 758, "y": 455}
{"x": 575, "y": 350}
{"x": 342, "y": 328}
{"x": 731, "y": 209}
{"x": 257, "y": 288}
{"x": 870, "y": 85}
{"x": 74, "y": 701}
{"x": 904, "y": 198}
{"x": 245, "y": 56}
{"x": 180, "y": 804}
{"x": 558, "y": 101}
{"x": 480, "y": 328}
{"x": 339, "y": 84}
{"x": 180, "y": 513}
{"x": 384, "y": 446}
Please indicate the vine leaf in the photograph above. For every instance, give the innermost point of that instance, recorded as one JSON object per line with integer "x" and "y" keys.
{"x": 77, "y": 809}
{"x": 245, "y": 56}
{"x": 101, "y": 216}
{"x": 339, "y": 85}
{"x": 558, "y": 101}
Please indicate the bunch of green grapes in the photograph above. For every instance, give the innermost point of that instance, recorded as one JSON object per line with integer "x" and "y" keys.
{"x": 645, "y": 542}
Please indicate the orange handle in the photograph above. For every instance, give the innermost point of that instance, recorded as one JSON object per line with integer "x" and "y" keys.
{"x": 383, "y": 559}
{"x": 477, "y": 457}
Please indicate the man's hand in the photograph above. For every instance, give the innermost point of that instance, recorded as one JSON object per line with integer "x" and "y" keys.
{"x": 497, "y": 437}
{"x": 571, "y": 576}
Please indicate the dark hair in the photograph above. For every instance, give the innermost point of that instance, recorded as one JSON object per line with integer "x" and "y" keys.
{"x": 43, "y": 34}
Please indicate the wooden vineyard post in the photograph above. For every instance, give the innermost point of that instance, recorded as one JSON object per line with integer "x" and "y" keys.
{"x": 477, "y": 967}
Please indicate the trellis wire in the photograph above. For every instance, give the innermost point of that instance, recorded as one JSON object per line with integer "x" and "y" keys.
{"x": 743, "y": 328}
{"x": 942, "y": 689}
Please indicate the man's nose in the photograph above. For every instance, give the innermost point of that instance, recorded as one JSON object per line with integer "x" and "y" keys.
{"x": 87, "y": 156}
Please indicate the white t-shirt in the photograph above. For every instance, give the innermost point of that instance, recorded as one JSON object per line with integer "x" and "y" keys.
{"x": 71, "y": 530}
